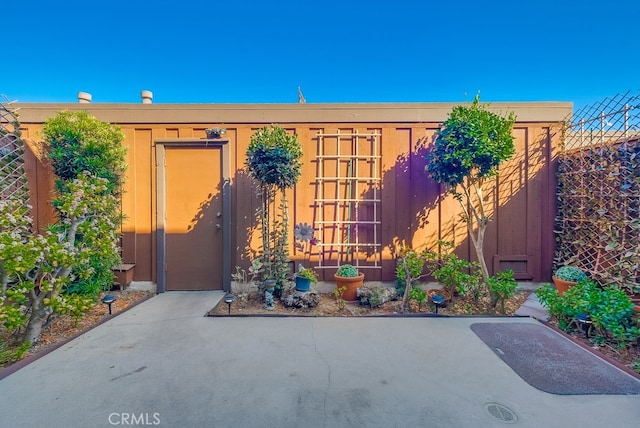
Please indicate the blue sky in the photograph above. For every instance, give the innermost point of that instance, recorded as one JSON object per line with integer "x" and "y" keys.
{"x": 336, "y": 51}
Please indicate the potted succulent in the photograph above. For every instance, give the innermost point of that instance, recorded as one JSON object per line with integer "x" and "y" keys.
{"x": 305, "y": 277}
{"x": 304, "y": 239}
{"x": 567, "y": 276}
{"x": 351, "y": 279}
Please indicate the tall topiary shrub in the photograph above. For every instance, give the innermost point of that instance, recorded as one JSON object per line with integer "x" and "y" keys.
{"x": 469, "y": 147}
{"x": 273, "y": 161}
{"x": 78, "y": 143}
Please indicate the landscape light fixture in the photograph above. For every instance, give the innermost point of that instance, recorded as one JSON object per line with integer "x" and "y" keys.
{"x": 229, "y": 299}
{"x": 108, "y": 300}
{"x": 585, "y": 322}
{"x": 438, "y": 301}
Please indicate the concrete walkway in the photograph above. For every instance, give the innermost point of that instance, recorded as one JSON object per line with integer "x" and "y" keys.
{"x": 533, "y": 308}
{"x": 164, "y": 364}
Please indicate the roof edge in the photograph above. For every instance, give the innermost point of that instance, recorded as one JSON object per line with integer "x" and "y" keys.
{"x": 549, "y": 111}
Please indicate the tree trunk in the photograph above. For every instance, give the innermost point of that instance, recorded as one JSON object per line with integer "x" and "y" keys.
{"x": 478, "y": 243}
{"x": 407, "y": 290}
{"x": 34, "y": 325}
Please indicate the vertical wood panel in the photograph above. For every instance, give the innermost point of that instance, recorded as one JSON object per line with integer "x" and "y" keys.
{"x": 143, "y": 207}
{"x": 537, "y": 183}
{"x": 129, "y": 254}
{"x": 396, "y": 219}
{"x": 302, "y": 208}
{"x": 243, "y": 199}
{"x": 425, "y": 194}
{"x": 549, "y": 203}
{"x": 510, "y": 225}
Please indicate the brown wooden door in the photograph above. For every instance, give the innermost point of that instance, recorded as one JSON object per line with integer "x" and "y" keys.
{"x": 193, "y": 224}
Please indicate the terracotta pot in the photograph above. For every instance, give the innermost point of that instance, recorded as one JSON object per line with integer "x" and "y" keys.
{"x": 562, "y": 285}
{"x": 352, "y": 284}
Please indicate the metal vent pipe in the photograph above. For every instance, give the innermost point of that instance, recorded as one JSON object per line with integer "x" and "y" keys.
{"x": 84, "y": 97}
{"x": 147, "y": 96}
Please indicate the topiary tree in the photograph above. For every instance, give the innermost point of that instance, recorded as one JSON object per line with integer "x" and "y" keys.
{"x": 468, "y": 150}
{"x": 78, "y": 144}
{"x": 273, "y": 161}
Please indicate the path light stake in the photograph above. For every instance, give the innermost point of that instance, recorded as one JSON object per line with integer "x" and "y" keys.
{"x": 437, "y": 300}
{"x": 108, "y": 300}
{"x": 585, "y": 322}
{"x": 229, "y": 299}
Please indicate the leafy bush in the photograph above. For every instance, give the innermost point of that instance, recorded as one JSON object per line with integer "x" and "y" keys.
{"x": 610, "y": 309}
{"x": 409, "y": 264}
{"x": 11, "y": 354}
{"x": 418, "y": 295}
{"x": 35, "y": 270}
{"x": 503, "y": 286}
{"x": 454, "y": 273}
{"x": 409, "y": 268}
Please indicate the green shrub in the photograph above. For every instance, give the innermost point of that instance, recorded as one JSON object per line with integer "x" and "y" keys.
{"x": 418, "y": 295}
{"x": 11, "y": 354}
{"x": 609, "y": 307}
{"x": 35, "y": 269}
{"x": 409, "y": 265}
{"x": 454, "y": 273}
{"x": 503, "y": 286}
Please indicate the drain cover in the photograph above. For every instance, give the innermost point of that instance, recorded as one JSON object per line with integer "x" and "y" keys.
{"x": 501, "y": 413}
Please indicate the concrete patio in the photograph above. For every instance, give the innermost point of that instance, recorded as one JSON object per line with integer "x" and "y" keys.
{"x": 163, "y": 363}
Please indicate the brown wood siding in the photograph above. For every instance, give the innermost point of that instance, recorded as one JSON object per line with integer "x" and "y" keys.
{"x": 414, "y": 211}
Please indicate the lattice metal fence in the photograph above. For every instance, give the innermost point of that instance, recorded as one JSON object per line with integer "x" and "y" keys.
{"x": 598, "y": 223}
{"x": 13, "y": 182}
{"x": 613, "y": 120}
